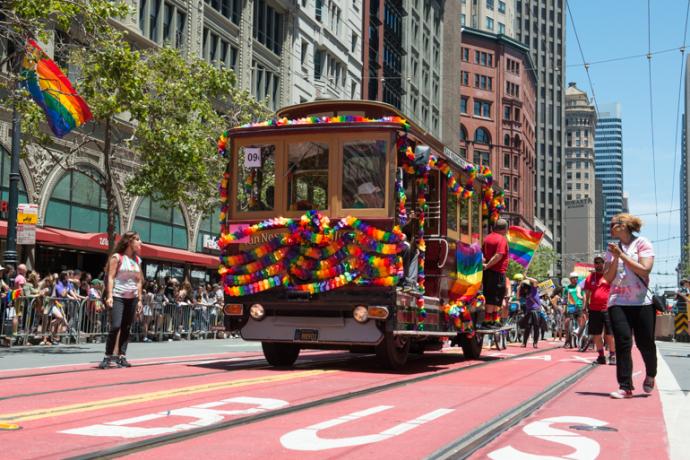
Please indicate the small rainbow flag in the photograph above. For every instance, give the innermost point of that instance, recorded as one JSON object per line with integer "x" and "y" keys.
{"x": 468, "y": 280}
{"x": 53, "y": 92}
{"x": 522, "y": 243}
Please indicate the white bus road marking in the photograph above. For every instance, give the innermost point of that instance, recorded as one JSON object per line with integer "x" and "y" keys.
{"x": 584, "y": 448}
{"x": 307, "y": 439}
{"x": 202, "y": 414}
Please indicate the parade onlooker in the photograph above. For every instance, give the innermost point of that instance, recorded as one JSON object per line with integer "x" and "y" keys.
{"x": 557, "y": 309}
{"x": 630, "y": 262}
{"x": 495, "y": 251}
{"x": 123, "y": 296}
{"x": 573, "y": 310}
{"x": 20, "y": 279}
{"x": 530, "y": 322}
{"x": 596, "y": 304}
{"x": 147, "y": 313}
{"x": 94, "y": 307}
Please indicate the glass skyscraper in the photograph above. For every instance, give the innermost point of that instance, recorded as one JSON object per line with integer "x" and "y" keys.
{"x": 608, "y": 160}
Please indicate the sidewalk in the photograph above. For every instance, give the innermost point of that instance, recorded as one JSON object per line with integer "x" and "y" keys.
{"x": 27, "y": 357}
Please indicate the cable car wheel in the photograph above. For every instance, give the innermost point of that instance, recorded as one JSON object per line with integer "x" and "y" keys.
{"x": 393, "y": 350}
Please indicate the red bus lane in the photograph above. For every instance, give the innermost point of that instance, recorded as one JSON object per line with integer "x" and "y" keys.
{"x": 586, "y": 424}
{"x": 77, "y": 422}
{"x": 413, "y": 420}
{"x": 70, "y": 422}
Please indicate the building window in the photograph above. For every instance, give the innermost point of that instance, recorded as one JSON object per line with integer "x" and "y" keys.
{"x": 481, "y": 136}
{"x": 482, "y": 109}
{"x": 483, "y": 82}
{"x": 501, "y": 6}
{"x": 463, "y": 104}
{"x": 481, "y": 158}
{"x": 218, "y": 50}
{"x": 162, "y": 22}
{"x": 465, "y": 78}
{"x": 501, "y": 28}
{"x": 506, "y": 183}
{"x": 268, "y": 26}
{"x": 158, "y": 225}
{"x": 463, "y": 133}
{"x": 490, "y": 4}
{"x": 462, "y": 19}
{"x": 265, "y": 85}
{"x": 489, "y": 23}
{"x": 78, "y": 203}
{"x": 318, "y": 10}
{"x": 465, "y": 54}
{"x": 231, "y": 9}
{"x": 516, "y": 184}
{"x": 507, "y": 111}
{"x": 506, "y": 160}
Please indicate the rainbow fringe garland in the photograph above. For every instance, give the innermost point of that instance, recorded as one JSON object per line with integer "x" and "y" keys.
{"x": 309, "y": 258}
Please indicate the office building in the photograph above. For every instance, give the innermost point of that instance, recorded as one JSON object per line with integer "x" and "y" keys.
{"x": 608, "y": 159}
{"x": 404, "y": 62}
{"x": 684, "y": 181}
{"x": 494, "y": 16}
{"x": 580, "y": 203}
{"x": 540, "y": 25}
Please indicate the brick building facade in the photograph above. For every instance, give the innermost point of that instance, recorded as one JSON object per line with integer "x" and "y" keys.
{"x": 497, "y": 121}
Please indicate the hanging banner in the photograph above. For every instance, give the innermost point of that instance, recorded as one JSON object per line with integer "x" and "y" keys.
{"x": 26, "y": 234}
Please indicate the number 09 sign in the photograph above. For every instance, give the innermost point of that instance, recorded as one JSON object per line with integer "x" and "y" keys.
{"x": 252, "y": 157}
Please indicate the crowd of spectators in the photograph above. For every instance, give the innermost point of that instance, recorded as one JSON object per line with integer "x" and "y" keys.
{"x": 43, "y": 308}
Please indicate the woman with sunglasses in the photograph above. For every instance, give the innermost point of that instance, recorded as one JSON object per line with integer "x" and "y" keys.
{"x": 628, "y": 265}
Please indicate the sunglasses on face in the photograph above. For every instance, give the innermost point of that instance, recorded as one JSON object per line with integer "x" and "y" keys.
{"x": 614, "y": 224}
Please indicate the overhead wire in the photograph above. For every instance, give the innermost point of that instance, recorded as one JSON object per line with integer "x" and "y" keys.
{"x": 651, "y": 109}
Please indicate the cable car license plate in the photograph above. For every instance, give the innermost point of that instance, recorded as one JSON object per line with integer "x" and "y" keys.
{"x": 306, "y": 335}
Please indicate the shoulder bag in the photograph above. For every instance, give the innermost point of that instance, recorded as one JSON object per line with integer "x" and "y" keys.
{"x": 657, "y": 301}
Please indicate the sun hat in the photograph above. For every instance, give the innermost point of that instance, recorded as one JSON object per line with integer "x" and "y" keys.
{"x": 574, "y": 275}
{"x": 518, "y": 277}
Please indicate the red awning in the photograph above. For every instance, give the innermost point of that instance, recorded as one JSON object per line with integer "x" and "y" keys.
{"x": 99, "y": 242}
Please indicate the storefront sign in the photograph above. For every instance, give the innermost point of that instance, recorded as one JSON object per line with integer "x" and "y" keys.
{"x": 27, "y": 214}
{"x": 26, "y": 234}
{"x": 210, "y": 242}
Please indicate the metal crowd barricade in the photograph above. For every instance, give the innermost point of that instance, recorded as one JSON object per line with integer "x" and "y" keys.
{"x": 39, "y": 319}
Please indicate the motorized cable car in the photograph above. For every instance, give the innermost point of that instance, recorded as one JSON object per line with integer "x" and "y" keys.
{"x": 327, "y": 210}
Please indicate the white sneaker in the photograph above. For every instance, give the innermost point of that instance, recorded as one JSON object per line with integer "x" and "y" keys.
{"x": 621, "y": 394}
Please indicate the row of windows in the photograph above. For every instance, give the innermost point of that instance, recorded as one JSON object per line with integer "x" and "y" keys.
{"x": 507, "y": 183}
{"x": 513, "y": 66}
{"x": 162, "y": 22}
{"x": 577, "y": 175}
{"x": 325, "y": 64}
{"x": 578, "y": 186}
{"x": 512, "y": 89}
{"x": 268, "y": 26}
{"x": 510, "y": 113}
{"x": 481, "y": 135}
{"x": 231, "y": 9}
{"x": 480, "y": 57}
{"x": 219, "y": 51}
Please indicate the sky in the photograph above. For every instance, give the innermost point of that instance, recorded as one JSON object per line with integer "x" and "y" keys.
{"x": 618, "y": 29}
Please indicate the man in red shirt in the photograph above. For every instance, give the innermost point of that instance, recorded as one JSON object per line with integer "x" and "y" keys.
{"x": 596, "y": 302}
{"x": 495, "y": 251}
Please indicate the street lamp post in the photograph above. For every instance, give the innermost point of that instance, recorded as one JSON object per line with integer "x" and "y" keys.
{"x": 10, "y": 257}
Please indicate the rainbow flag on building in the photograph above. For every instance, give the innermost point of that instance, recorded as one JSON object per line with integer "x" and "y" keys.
{"x": 53, "y": 92}
{"x": 522, "y": 244}
{"x": 468, "y": 280}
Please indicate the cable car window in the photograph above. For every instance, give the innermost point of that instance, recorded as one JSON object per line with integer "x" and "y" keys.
{"x": 364, "y": 174}
{"x": 256, "y": 178}
{"x": 452, "y": 212}
{"x": 463, "y": 208}
{"x": 307, "y": 176}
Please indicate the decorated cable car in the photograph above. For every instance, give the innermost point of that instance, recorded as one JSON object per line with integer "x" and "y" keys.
{"x": 345, "y": 226}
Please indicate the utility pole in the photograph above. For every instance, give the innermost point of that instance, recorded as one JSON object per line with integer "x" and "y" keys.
{"x": 10, "y": 256}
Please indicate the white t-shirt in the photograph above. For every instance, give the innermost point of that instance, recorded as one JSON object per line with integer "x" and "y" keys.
{"x": 626, "y": 287}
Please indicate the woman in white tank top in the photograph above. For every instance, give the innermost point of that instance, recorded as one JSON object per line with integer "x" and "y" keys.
{"x": 123, "y": 296}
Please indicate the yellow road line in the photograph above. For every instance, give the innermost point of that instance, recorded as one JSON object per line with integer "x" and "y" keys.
{"x": 146, "y": 397}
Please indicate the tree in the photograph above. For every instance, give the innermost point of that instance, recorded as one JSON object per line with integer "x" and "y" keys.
{"x": 187, "y": 104}
{"x": 539, "y": 268}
